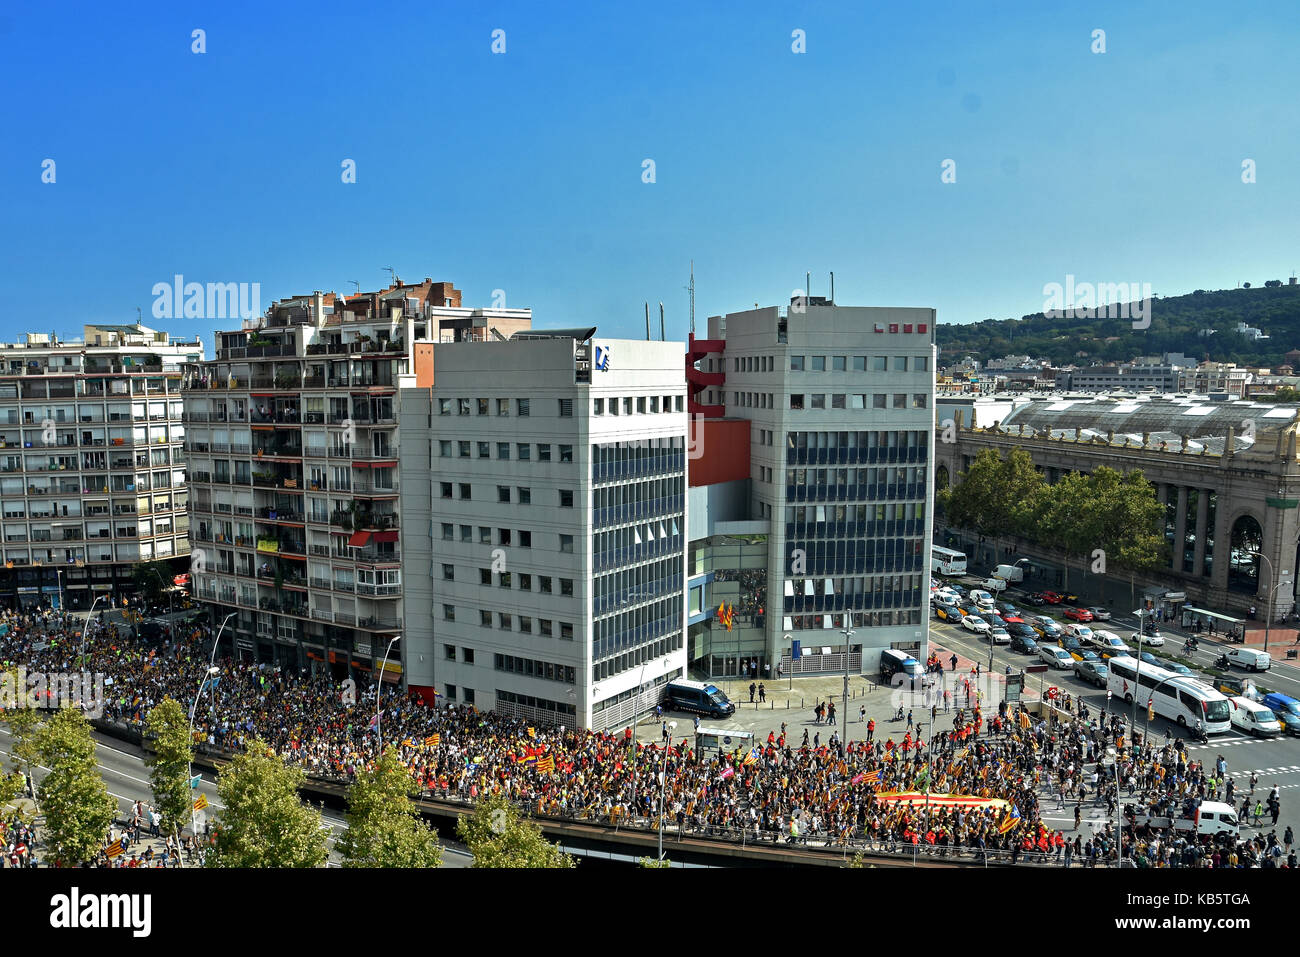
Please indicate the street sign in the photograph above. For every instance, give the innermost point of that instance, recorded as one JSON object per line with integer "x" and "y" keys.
{"x": 1035, "y": 669}
{"x": 1053, "y": 691}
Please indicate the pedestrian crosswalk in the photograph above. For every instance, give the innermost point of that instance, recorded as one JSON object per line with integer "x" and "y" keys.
{"x": 1223, "y": 743}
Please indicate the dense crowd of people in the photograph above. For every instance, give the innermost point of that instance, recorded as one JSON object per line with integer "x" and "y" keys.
{"x": 865, "y": 794}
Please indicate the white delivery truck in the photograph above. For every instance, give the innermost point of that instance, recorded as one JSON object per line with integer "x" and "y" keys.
{"x": 1210, "y": 819}
{"x": 1011, "y": 573}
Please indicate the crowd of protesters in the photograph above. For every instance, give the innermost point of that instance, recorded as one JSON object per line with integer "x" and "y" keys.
{"x": 876, "y": 793}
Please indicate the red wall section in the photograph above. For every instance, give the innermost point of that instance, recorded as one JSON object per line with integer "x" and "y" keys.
{"x": 723, "y": 448}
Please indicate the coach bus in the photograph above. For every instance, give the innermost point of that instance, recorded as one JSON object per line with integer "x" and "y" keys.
{"x": 1175, "y": 697}
{"x": 945, "y": 561}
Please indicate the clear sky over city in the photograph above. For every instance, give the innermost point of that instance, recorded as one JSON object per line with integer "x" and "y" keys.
{"x": 523, "y": 170}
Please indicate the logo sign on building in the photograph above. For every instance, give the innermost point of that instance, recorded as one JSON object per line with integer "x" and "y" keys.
{"x": 602, "y": 358}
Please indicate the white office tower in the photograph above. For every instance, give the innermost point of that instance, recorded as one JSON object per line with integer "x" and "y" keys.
{"x": 558, "y": 494}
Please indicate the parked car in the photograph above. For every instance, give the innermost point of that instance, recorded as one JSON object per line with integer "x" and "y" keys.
{"x": 1183, "y": 670}
{"x": 1027, "y": 646}
{"x": 1093, "y": 672}
{"x": 1155, "y": 641}
{"x": 1072, "y": 646}
{"x": 1036, "y": 599}
{"x": 1286, "y": 708}
{"x": 1055, "y": 657}
{"x": 1101, "y": 614}
{"x": 1078, "y": 614}
{"x": 1082, "y": 632}
{"x": 977, "y": 625}
{"x": 1052, "y": 598}
{"x": 949, "y": 613}
{"x": 1045, "y": 626}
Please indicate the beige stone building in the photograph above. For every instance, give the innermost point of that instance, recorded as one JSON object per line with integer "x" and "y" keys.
{"x": 1226, "y": 472}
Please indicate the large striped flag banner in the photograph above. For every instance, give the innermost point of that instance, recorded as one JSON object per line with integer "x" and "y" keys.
{"x": 752, "y": 757}
{"x": 546, "y": 765}
{"x": 941, "y": 800}
{"x": 432, "y": 741}
{"x": 875, "y": 777}
{"x": 114, "y": 849}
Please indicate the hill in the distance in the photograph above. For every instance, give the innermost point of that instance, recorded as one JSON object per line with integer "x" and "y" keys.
{"x": 1175, "y": 325}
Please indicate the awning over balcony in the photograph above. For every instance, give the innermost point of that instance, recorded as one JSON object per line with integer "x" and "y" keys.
{"x": 358, "y": 539}
{"x": 386, "y": 536}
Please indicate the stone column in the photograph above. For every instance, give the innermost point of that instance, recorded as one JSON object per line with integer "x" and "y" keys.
{"x": 1222, "y": 547}
{"x": 1180, "y": 529}
{"x": 1202, "y": 517}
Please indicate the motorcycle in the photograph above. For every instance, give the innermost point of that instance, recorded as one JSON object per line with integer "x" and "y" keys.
{"x": 1221, "y": 663}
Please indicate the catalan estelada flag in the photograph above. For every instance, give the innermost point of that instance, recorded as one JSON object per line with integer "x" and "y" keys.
{"x": 432, "y": 740}
{"x": 752, "y": 757}
{"x": 114, "y": 849}
{"x": 546, "y": 765}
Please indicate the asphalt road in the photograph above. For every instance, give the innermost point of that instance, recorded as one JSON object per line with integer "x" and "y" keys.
{"x": 1275, "y": 760}
{"x": 127, "y": 779}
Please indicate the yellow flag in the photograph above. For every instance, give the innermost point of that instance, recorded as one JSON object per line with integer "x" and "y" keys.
{"x": 201, "y": 803}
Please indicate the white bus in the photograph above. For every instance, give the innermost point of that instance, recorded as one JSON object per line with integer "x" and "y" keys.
{"x": 945, "y": 561}
{"x": 1179, "y": 699}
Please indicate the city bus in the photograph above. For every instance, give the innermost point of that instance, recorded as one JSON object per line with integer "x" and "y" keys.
{"x": 1179, "y": 699}
{"x": 946, "y": 561}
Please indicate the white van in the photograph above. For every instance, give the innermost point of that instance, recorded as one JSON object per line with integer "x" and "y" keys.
{"x": 1011, "y": 573}
{"x": 1253, "y": 718}
{"x": 995, "y": 584}
{"x": 1251, "y": 659}
{"x": 981, "y": 598}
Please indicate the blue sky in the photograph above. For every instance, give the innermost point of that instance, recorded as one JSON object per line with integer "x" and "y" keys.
{"x": 522, "y": 171}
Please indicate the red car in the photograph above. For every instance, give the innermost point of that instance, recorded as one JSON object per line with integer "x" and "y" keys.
{"x": 1051, "y": 597}
{"x": 1078, "y": 614}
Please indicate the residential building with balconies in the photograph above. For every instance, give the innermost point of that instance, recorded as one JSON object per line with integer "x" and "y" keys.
{"x": 92, "y": 463}
{"x": 298, "y": 468}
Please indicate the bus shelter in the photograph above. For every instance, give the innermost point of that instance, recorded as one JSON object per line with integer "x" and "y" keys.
{"x": 1193, "y": 617}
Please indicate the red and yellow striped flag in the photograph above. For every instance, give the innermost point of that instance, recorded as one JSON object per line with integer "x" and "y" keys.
{"x": 114, "y": 849}
{"x": 432, "y": 740}
{"x": 546, "y": 765}
{"x": 201, "y": 803}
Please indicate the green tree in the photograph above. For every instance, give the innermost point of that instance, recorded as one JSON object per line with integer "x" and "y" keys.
{"x": 498, "y": 837}
{"x": 168, "y": 729}
{"x": 1129, "y": 516}
{"x": 149, "y": 578}
{"x": 77, "y": 806}
{"x": 264, "y": 823}
{"x": 995, "y": 497}
{"x": 22, "y": 724}
{"x": 1064, "y": 519}
{"x": 384, "y": 826}
{"x": 653, "y": 862}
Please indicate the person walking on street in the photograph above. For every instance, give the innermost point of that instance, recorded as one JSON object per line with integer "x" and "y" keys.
{"x": 862, "y": 715}
{"x": 871, "y": 727}
{"x": 953, "y": 662}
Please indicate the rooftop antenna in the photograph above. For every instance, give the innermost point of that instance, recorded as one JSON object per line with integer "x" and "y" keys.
{"x": 357, "y": 284}
{"x": 832, "y": 287}
{"x": 647, "y": 320}
{"x": 662, "y": 337}
{"x": 807, "y": 290}
{"x": 392, "y": 273}
{"x": 139, "y": 316}
{"x": 691, "y": 289}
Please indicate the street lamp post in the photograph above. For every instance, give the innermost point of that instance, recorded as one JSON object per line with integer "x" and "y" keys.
{"x": 1282, "y": 579}
{"x": 848, "y": 634}
{"x": 1112, "y": 759}
{"x": 62, "y": 610}
{"x": 636, "y": 723}
{"x": 790, "y": 684}
{"x": 212, "y": 669}
{"x": 663, "y": 785}
{"x": 86, "y": 624}
{"x": 379, "y": 687}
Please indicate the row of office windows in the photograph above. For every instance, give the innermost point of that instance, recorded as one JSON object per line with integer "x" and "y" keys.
{"x": 522, "y": 451}
{"x": 840, "y": 400}
{"x": 643, "y": 405}
{"x": 522, "y": 581}
{"x": 523, "y": 624}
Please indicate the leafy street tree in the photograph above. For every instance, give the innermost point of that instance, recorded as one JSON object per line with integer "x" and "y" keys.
{"x": 384, "y": 826}
{"x": 22, "y": 723}
{"x": 653, "y": 862}
{"x": 264, "y": 823}
{"x": 150, "y": 579}
{"x": 77, "y": 806}
{"x": 498, "y": 837}
{"x": 169, "y": 764}
{"x": 995, "y": 497}
{"x": 1065, "y": 521}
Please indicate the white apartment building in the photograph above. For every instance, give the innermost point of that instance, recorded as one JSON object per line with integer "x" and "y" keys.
{"x": 841, "y": 405}
{"x": 557, "y": 498}
{"x": 303, "y": 436}
{"x": 92, "y": 470}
